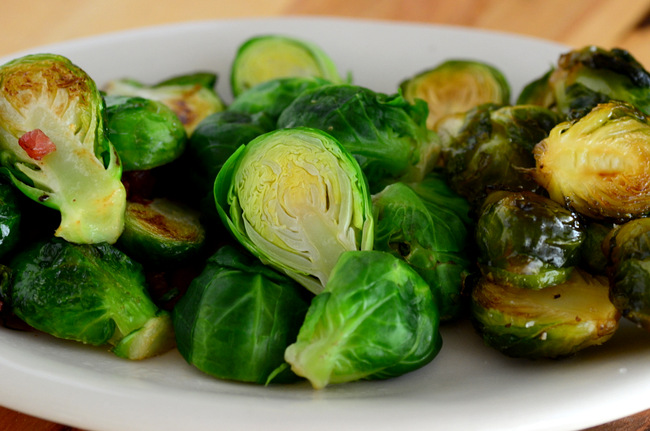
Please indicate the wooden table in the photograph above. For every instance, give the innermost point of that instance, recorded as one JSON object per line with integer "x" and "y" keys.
{"x": 607, "y": 23}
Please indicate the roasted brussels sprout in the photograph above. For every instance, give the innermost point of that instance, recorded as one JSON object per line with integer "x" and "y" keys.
{"x": 192, "y": 97}
{"x": 490, "y": 148}
{"x": 385, "y": 133}
{"x": 54, "y": 148}
{"x": 456, "y": 86}
{"x": 598, "y": 165}
{"x": 272, "y": 97}
{"x": 296, "y": 199}
{"x": 161, "y": 232}
{"x": 238, "y": 317}
{"x": 627, "y": 249}
{"x": 538, "y": 92}
{"x": 553, "y": 322}
{"x": 527, "y": 240}
{"x": 592, "y": 75}
{"x": 146, "y": 133}
{"x": 427, "y": 225}
{"x": 91, "y": 293}
{"x": 267, "y": 57}
{"x": 376, "y": 319}
{"x": 592, "y": 255}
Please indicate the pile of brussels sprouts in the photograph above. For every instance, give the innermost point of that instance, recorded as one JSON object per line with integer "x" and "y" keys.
{"x": 316, "y": 229}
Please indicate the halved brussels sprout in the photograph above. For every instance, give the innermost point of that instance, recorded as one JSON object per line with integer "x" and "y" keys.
{"x": 54, "y": 148}
{"x": 490, "y": 148}
{"x": 161, "y": 232}
{"x": 427, "y": 225}
{"x": 598, "y": 165}
{"x": 92, "y": 293}
{"x": 385, "y": 133}
{"x": 192, "y": 97}
{"x": 376, "y": 319}
{"x": 146, "y": 133}
{"x": 297, "y": 200}
{"x": 456, "y": 86}
{"x": 554, "y": 322}
{"x": 238, "y": 317}
{"x": 263, "y": 58}
{"x": 627, "y": 248}
{"x": 527, "y": 240}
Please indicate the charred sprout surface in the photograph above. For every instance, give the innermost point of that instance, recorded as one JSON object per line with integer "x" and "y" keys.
{"x": 456, "y": 86}
{"x": 385, "y": 133}
{"x": 268, "y": 57}
{"x": 376, "y": 319}
{"x": 598, "y": 165}
{"x": 553, "y": 322}
{"x": 91, "y": 293}
{"x": 426, "y": 224}
{"x": 238, "y": 317}
{"x": 54, "y": 148}
{"x": 490, "y": 148}
{"x": 296, "y": 199}
{"x": 527, "y": 240}
{"x": 191, "y": 97}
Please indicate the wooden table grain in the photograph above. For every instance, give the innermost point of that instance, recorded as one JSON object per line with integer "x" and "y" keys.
{"x": 607, "y": 23}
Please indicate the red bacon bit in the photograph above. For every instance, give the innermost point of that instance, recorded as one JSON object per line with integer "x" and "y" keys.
{"x": 36, "y": 144}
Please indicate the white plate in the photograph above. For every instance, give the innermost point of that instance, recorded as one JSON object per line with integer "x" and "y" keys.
{"x": 467, "y": 387}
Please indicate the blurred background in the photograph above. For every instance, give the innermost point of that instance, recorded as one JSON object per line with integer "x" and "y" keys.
{"x": 28, "y": 23}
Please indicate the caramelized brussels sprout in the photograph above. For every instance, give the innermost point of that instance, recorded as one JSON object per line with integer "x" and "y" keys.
{"x": 456, "y": 86}
{"x": 385, "y": 133}
{"x": 627, "y": 248}
{"x": 296, "y": 199}
{"x": 376, "y": 319}
{"x": 161, "y": 232}
{"x": 592, "y": 75}
{"x": 527, "y": 240}
{"x": 54, "y": 148}
{"x": 264, "y": 58}
{"x": 490, "y": 148}
{"x": 427, "y": 225}
{"x": 598, "y": 165}
{"x": 554, "y": 322}
{"x": 145, "y": 133}
{"x": 192, "y": 97}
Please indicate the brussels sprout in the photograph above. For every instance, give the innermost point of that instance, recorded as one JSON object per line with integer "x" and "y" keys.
{"x": 592, "y": 255}
{"x": 527, "y": 240}
{"x": 627, "y": 249}
{"x": 456, "y": 86}
{"x": 91, "y": 293}
{"x": 267, "y": 57}
{"x": 238, "y": 317}
{"x": 538, "y": 92}
{"x": 490, "y": 147}
{"x": 554, "y": 322}
{"x": 426, "y": 224}
{"x": 376, "y": 319}
{"x": 10, "y": 218}
{"x": 161, "y": 232}
{"x": 53, "y": 146}
{"x": 296, "y": 199}
{"x": 598, "y": 165}
{"x": 385, "y": 133}
{"x": 192, "y": 97}
{"x": 272, "y": 97}
{"x": 146, "y": 133}
{"x": 591, "y": 75}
